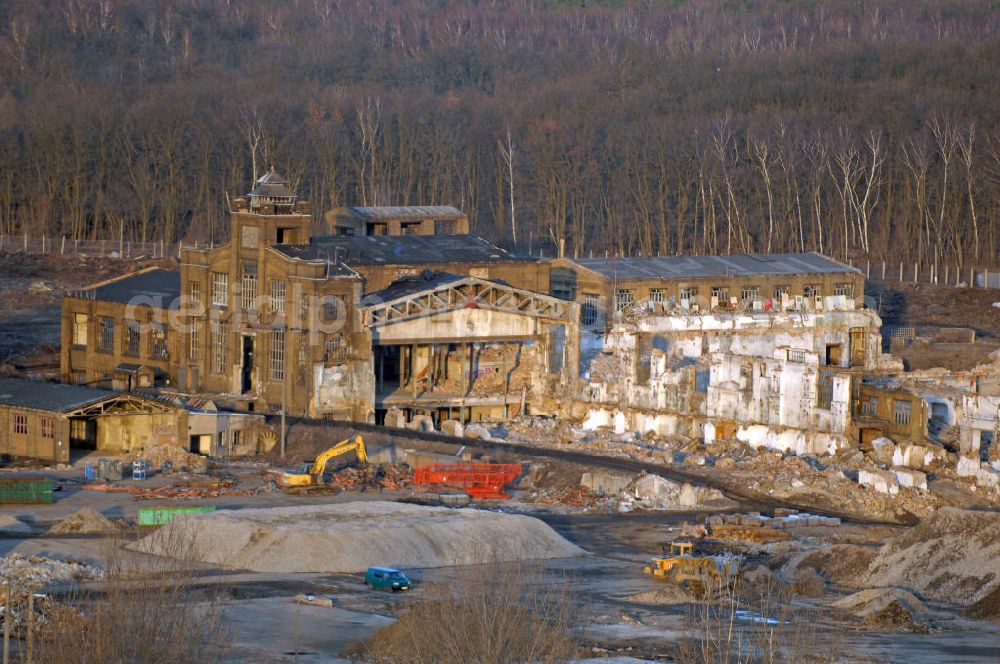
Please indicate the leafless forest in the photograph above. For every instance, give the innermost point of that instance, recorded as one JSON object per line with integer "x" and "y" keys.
{"x": 852, "y": 127}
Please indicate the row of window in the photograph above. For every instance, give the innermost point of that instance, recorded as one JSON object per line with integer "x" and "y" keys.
{"x": 248, "y": 294}
{"x": 335, "y": 350}
{"x": 131, "y": 336}
{"x": 626, "y": 296}
{"x": 19, "y": 426}
{"x": 900, "y": 409}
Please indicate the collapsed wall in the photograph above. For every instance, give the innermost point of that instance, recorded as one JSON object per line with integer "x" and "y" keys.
{"x": 351, "y": 537}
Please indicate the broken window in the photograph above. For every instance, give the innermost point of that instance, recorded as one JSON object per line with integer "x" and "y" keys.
{"x": 194, "y": 345}
{"x": 750, "y": 294}
{"x": 220, "y": 289}
{"x": 304, "y": 309}
{"x": 278, "y": 297}
{"x": 45, "y": 427}
{"x": 220, "y": 346}
{"x": 409, "y": 228}
{"x": 277, "y": 355}
{"x": 335, "y": 350}
{"x": 19, "y": 425}
{"x": 589, "y": 309}
{"x": 80, "y": 330}
{"x": 132, "y": 338}
{"x": 303, "y": 361}
{"x": 795, "y": 355}
{"x": 847, "y": 290}
{"x": 331, "y": 308}
{"x": 248, "y": 292}
{"x": 781, "y": 290}
{"x": 824, "y": 389}
{"x": 869, "y": 406}
{"x": 901, "y": 412}
{"x": 563, "y": 284}
{"x": 689, "y": 293}
{"x": 623, "y": 298}
{"x": 812, "y": 290}
{"x": 194, "y": 292}
{"x": 106, "y": 334}
{"x": 158, "y": 341}
{"x": 721, "y": 293}
{"x": 445, "y": 226}
{"x": 658, "y": 296}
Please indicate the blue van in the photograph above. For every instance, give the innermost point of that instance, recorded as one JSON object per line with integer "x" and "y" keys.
{"x": 386, "y": 578}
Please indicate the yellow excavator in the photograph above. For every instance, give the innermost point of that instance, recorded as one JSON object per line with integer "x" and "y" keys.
{"x": 699, "y": 574}
{"x": 312, "y": 473}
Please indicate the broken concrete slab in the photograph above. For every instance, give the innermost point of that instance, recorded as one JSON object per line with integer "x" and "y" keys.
{"x": 913, "y": 479}
{"x": 452, "y": 428}
{"x": 606, "y": 483}
{"x": 967, "y": 467}
{"x": 881, "y": 481}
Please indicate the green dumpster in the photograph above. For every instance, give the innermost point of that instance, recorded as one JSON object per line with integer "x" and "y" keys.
{"x": 158, "y": 516}
{"x": 25, "y": 490}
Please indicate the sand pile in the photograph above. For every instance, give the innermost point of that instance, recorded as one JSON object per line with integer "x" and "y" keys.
{"x": 10, "y": 525}
{"x": 886, "y": 608}
{"x": 950, "y": 556}
{"x": 354, "y": 536}
{"x": 841, "y": 564}
{"x": 86, "y": 520}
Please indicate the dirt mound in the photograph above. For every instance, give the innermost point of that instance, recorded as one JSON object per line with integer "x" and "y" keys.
{"x": 841, "y": 564}
{"x": 950, "y": 556}
{"x": 354, "y": 536}
{"x": 86, "y": 520}
{"x": 988, "y": 607}
{"x": 886, "y": 608}
{"x": 10, "y": 525}
{"x": 666, "y": 594}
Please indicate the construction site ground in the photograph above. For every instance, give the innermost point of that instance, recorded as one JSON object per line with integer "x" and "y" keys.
{"x": 619, "y": 610}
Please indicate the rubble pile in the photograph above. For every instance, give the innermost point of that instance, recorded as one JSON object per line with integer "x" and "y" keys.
{"x": 38, "y": 572}
{"x": 886, "y": 608}
{"x": 85, "y": 521}
{"x": 208, "y": 489}
{"x": 579, "y": 497}
{"x": 167, "y": 455}
{"x": 387, "y": 476}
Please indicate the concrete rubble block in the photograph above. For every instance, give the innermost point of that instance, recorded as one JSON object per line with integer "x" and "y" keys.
{"x": 656, "y": 487}
{"x": 882, "y": 450}
{"x": 394, "y": 417}
{"x": 987, "y": 477}
{"x": 881, "y": 481}
{"x": 913, "y": 479}
{"x": 422, "y": 423}
{"x": 967, "y": 467}
{"x": 477, "y": 431}
{"x": 452, "y": 428}
{"x": 605, "y": 483}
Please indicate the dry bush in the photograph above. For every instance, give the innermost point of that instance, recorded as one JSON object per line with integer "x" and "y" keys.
{"x": 754, "y": 623}
{"x": 489, "y": 616}
{"x": 143, "y": 612}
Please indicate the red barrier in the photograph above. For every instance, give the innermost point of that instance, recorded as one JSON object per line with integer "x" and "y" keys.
{"x": 479, "y": 480}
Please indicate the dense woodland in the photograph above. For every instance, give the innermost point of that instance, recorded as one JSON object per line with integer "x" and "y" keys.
{"x": 861, "y": 128}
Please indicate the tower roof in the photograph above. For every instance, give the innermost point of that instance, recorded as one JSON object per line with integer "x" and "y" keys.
{"x": 272, "y": 185}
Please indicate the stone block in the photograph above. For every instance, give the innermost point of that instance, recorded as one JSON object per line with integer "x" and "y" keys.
{"x": 913, "y": 479}
{"x": 883, "y": 450}
{"x": 882, "y": 482}
{"x": 967, "y": 467}
{"x": 394, "y": 417}
{"x": 452, "y": 428}
{"x": 605, "y": 483}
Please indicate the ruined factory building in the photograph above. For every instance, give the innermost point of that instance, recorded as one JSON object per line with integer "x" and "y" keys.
{"x": 48, "y": 421}
{"x": 398, "y": 308}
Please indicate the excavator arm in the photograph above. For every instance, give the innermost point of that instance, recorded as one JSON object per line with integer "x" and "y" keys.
{"x": 312, "y": 475}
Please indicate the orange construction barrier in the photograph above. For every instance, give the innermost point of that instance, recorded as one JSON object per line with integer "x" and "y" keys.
{"x": 479, "y": 480}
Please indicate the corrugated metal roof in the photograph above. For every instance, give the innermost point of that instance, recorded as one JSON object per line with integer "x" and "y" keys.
{"x": 407, "y": 211}
{"x": 161, "y": 287}
{"x": 53, "y": 397}
{"x": 410, "y": 285}
{"x": 399, "y": 249}
{"x": 694, "y": 267}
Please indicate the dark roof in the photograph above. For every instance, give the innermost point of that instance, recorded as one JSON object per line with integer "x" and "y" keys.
{"x": 53, "y": 397}
{"x": 407, "y": 211}
{"x": 410, "y": 285}
{"x": 159, "y": 287}
{"x": 694, "y": 267}
{"x": 272, "y": 185}
{"x": 399, "y": 249}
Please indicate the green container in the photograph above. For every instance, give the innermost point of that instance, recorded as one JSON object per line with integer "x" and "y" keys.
{"x": 26, "y": 490}
{"x": 158, "y": 516}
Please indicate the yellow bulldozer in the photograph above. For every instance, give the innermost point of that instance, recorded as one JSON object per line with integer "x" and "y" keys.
{"x": 698, "y": 574}
{"x": 311, "y": 474}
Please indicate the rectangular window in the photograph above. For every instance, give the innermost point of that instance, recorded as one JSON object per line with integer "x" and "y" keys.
{"x": 194, "y": 345}
{"x": 19, "y": 425}
{"x": 106, "y": 334}
{"x": 589, "y": 309}
{"x": 869, "y": 406}
{"x": 901, "y": 412}
{"x": 623, "y": 298}
{"x": 847, "y": 290}
{"x": 795, "y": 355}
{"x": 278, "y": 297}
{"x": 248, "y": 294}
{"x": 824, "y": 390}
{"x": 220, "y": 346}
{"x": 220, "y": 289}
{"x": 689, "y": 293}
{"x": 335, "y": 350}
{"x": 304, "y": 309}
{"x": 658, "y": 295}
{"x": 158, "y": 341}
{"x": 277, "y": 355}
{"x": 445, "y": 226}
{"x": 779, "y": 291}
{"x": 194, "y": 292}
{"x": 45, "y": 427}
{"x": 811, "y": 290}
{"x": 80, "y": 330}
{"x": 303, "y": 359}
{"x": 722, "y": 293}
{"x": 750, "y": 293}
{"x": 132, "y": 338}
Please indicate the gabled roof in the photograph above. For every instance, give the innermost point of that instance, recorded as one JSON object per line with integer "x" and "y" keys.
{"x": 695, "y": 267}
{"x": 408, "y": 212}
{"x": 157, "y": 286}
{"x": 399, "y": 249}
{"x": 54, "y": 397}
{"x": 272, "y": 185}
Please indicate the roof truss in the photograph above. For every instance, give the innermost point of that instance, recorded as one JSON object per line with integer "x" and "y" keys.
{"x": 121, "y": 404}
